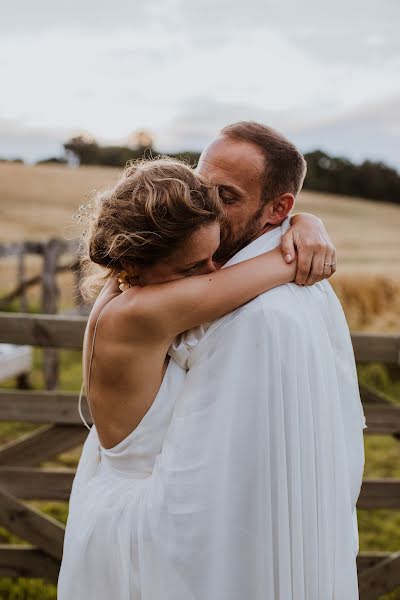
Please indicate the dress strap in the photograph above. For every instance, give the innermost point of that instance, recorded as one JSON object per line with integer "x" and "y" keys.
{"x": 90, "y": 365}
{"x": 80, "y": 407}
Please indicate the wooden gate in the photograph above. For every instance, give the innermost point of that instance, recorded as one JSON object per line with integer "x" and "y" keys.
{"x": 22, "y": 479}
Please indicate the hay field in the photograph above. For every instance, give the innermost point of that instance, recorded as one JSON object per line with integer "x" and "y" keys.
{"x": 37, "y": 202}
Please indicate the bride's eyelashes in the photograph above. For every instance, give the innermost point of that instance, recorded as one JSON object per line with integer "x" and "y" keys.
{"x": 193, "y": 269}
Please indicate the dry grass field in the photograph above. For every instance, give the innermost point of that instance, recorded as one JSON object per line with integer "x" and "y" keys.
{"x": 38, "y": 202}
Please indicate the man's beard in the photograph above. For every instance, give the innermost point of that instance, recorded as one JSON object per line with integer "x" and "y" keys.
{"x": 230, "y": 245}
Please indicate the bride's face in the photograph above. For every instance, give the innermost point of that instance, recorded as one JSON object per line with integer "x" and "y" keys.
{"x": 194, "y": 257}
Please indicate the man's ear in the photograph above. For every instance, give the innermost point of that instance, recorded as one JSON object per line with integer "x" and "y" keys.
{"x": 278, "y": 209}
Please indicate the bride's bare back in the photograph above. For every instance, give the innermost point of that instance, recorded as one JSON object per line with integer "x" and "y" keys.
{"x": 125, "y": 372}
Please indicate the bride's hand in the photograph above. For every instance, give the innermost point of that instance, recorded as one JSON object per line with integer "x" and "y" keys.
{"x": 316, "y": 254}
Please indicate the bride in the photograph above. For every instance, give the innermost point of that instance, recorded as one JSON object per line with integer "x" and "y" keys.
{"x": 154, "y": 234}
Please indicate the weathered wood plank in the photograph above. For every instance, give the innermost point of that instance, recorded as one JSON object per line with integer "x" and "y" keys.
{"x": 380, "y": 579}
{"x": 44, "y": 406}
{"x": 43, "y": 444}
{"x": 67, "y": 332}
{"x": 53, "y": 331}
{"x": 382, "y": 419}
{"x": 36, "y": 247}
{"x": 21, "y": 279}
{"x": 379, "y": 493}
{"x": 366, "y": 560}
{"x": 55, "y": 484}
{"x": 376, "y": 347}
{"x": 35, "y": 406}
{"x": 31, "y": 525}
{"x": 37, "y": 484}
{"x": 50, "y": 295}
{"x": 27, "y": 561}
{"x": 15, "y": 248}
{"x": 369, "y": 396}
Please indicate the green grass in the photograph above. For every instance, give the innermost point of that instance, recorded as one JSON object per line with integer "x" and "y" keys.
{"x": 395, "y": 595}
{"x": 26, "y": 589}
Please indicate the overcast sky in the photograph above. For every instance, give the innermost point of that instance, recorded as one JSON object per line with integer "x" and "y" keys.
{"x": 327, "y": 74}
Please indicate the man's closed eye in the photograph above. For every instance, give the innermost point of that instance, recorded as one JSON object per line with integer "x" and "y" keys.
{"x": 227, "y": 196}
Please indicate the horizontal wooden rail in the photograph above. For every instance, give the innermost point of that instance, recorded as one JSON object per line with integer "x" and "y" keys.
{"x": 30, "y": 483}
{"x": 381, "y": 578}
{"x": 54, "y": 331}
{"x": 27, "y": 561}
{"x": 382, "y": 419}
{"x": 55, "y": 484}
{"x": 371, "y": 347}
{"x": 42, "y": 407}
{"x": 366, "y": 560}
{"x": 36, "y": 247}
{"x": 370, "y": 396}
{"x": 67, "y": 332}
{"x": 379, "y": 493}
{"x": 44, "y": 443}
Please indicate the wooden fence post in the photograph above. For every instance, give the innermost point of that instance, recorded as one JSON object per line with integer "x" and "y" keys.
{"x": 23, "y": 300}
{"x": 50, "y": 296}
{"x": 78, "y": 298}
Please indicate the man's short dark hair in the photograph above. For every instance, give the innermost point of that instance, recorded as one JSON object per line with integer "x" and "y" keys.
{"x": 285, "y": 166}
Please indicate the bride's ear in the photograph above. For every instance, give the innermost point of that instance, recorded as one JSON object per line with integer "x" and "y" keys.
{"x": 131, "y": 269}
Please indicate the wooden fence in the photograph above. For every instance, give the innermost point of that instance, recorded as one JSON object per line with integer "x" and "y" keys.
{"x": 22, "y": 479}
{"x": 58, "y": 256}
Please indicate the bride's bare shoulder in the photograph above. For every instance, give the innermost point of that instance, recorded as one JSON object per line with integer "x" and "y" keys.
{"x": 131, "y": 312}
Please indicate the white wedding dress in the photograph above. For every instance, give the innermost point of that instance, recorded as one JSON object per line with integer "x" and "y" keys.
{"x": 103, "y": 539}
{"x": 241, "y": 481}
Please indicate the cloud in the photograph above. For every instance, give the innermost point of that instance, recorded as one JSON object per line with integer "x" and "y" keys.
{"x": 21, "y": 16}
{"x": 369, "y": 131}
{"x": 183, "y": 69}
{"x": 339, "y": 31}
{"x": 30, "y": 143}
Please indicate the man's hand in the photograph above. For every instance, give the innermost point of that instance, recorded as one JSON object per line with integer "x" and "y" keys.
{"x": 316, "y": 255}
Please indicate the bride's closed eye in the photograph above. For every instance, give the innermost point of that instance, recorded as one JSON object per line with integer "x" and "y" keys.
{"x": 193, "y": 269}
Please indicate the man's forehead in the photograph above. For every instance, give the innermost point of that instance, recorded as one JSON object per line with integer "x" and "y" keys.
{"x": 215, "y": 167}
{"x": 230, "y": 175}
{"x": 225, "y": 158}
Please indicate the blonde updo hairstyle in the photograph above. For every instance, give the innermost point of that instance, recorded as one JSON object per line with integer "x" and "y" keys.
{"x": 153, "y": 208}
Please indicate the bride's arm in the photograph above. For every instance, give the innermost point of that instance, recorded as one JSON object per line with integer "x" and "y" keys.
{"x": 176, "y": 306}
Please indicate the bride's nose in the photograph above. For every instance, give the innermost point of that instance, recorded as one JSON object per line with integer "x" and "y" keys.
{"x": 211, "y": 266}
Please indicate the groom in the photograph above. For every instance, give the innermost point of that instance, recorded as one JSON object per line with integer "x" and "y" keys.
{"x": 253, "y": 496}
{"x": 259, "y": 173}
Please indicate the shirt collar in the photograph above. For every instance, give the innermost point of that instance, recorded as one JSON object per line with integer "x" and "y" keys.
{"x": 265, "y": 242}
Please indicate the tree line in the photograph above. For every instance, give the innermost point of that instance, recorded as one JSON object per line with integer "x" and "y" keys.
{"x": 325, "y": 173}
